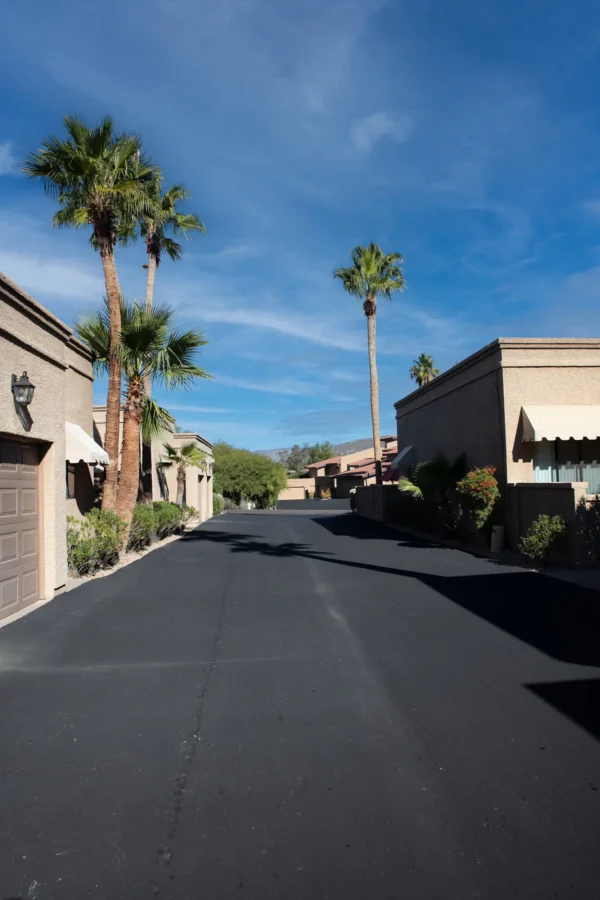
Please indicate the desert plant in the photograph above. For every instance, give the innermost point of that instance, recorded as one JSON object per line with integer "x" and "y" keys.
{"x": 93, "y": 542}
{"x": 143, "y": 526}
{"x": 148, "y": 349}
{"x": 431, "y": 480}
{"x": 188, "y": 514}
{"x": 228, "y": 503}
{"x": 100, "y": 179}
{"x": 217, "y": 504}
{"x": 478, "y": 492}
{"x": 180, "y": 458}
{"x": 543, "y": 537}
{"x": 168, "y": 518}
{"x": 423, "y": 369}
{"x": 371, "y": 274}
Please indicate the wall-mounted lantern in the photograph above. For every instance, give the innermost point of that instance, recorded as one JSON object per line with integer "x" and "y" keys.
{"x": 23, "y": 389}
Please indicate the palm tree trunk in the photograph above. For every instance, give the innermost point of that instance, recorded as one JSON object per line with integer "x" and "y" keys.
{"x": 146, "y": 466}
{"x": 180, "y": 485}
{"x": 371, "y": 313}
{"x": 130, "y": 455}
{"x": 150, "y": 281}
{"x": 113, "y": 400}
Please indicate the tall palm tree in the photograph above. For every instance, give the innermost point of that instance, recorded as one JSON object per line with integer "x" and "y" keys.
{"x": 371, "y": 274}
{"x": 148, "y": 349}
{"x": 181, "y": 458}
{"x": 423, "y": 369}
{"x": 100, "y": 179}
{"x": 162, "y": 220}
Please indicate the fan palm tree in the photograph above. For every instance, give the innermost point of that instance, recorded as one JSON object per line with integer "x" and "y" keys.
{"x": 423, "y": 369}
{"x": 432, "y": 479}
{"x": 371, "y": 274}
{"x": 162, "y": 220}
{"x": 164, "y": 217}
{"x": 181, "y": 458}
{"x": 100, "y": 179}
{"x": 148, "y": 348}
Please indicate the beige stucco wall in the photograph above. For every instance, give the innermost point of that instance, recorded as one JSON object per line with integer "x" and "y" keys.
{"x": 544, "y": 373}
{"x": 460, "y": 411}
{"x": 35, "y": 341}
{"x": 297, "y": 488}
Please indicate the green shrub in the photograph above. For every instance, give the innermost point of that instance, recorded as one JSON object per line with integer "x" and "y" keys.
{"x": 93, "y": 542}
{"x": 217, "y": 504}
{"x": 543, "y": 536}
{"x": 143, "y": 526}
{"x": 187, "y": 514}
{"x": 228, "y": 503}
{"x": 167, "y": 518}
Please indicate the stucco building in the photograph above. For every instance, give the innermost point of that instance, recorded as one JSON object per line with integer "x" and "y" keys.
{"x": 47, "y": 450}
{"x": 340, "y": 474}
{"x": 528, "y": 406}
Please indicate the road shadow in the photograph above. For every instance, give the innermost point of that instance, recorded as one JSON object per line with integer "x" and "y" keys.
{"x": 557, "y": 618}
{"x": 370, "y": 530}
{"x": 578, "y": 700}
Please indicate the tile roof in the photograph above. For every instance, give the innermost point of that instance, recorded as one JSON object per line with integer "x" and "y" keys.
{"x": 324, "y": 462}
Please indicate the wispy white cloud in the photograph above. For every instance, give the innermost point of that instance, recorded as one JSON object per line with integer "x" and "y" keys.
{"x": 63, "y": 277}
{"x": 368, "y": 131}
{"x": 306, "y": 328}
{"x": 8, "y": 159}
{"x": 288, "y": 386}
{"x": 592, "y": 206}
{"x": 186, "y": 407}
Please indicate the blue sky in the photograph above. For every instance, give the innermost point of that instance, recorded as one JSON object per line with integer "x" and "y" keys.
{"x": 464, "y": 135}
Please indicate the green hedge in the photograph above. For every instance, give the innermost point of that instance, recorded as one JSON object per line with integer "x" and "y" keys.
{"x": 143, "y": 527}
{"x": 167, "y": 517}
{"x": 93, "y": 542}
{"x": 217, "y": 504}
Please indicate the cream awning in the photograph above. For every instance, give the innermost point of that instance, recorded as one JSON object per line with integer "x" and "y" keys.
{"x": 81, "y": 447}
{"x": 547, "y": 423}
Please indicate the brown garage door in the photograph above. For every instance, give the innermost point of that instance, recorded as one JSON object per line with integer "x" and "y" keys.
{"x": 19, "y": 539}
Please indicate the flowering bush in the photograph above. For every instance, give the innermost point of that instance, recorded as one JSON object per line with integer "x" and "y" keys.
{"x": 479, "y": 491}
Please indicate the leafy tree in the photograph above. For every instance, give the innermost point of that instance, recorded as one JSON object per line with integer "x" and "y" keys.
{"x": 371, "y": 274}
{"x": 423, "y": 369}
{"x": 188, "y": 455}
{"x": 317, "y": 452}
{"x": 295, "y": 460}
{"x": 101, "y": 179}
{"x": 148, "y": 347}
{"x": 243, "y": 475}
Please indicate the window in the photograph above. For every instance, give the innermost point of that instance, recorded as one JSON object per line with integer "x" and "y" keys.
{"x": 568, "y": 461}
{"x": 70, "y": 481}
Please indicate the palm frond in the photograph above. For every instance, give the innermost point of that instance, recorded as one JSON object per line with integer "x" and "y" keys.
{"x": 156, "y": 421}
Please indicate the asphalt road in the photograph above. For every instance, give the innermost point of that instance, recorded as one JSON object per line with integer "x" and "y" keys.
{"x": 296, "y": 706}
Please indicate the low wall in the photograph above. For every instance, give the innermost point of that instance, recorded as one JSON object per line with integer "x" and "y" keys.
{"x": 382, "y": 502}
{"x": 525, "y": 501}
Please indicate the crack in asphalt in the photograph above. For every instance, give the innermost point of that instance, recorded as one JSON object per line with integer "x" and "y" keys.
{"x": 165, "y": 854}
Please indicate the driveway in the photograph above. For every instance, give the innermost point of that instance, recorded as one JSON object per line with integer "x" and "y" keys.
{"x": 302, "y": 705}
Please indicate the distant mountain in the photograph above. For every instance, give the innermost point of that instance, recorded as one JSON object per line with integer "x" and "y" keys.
{"x": 338, "y": 449}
